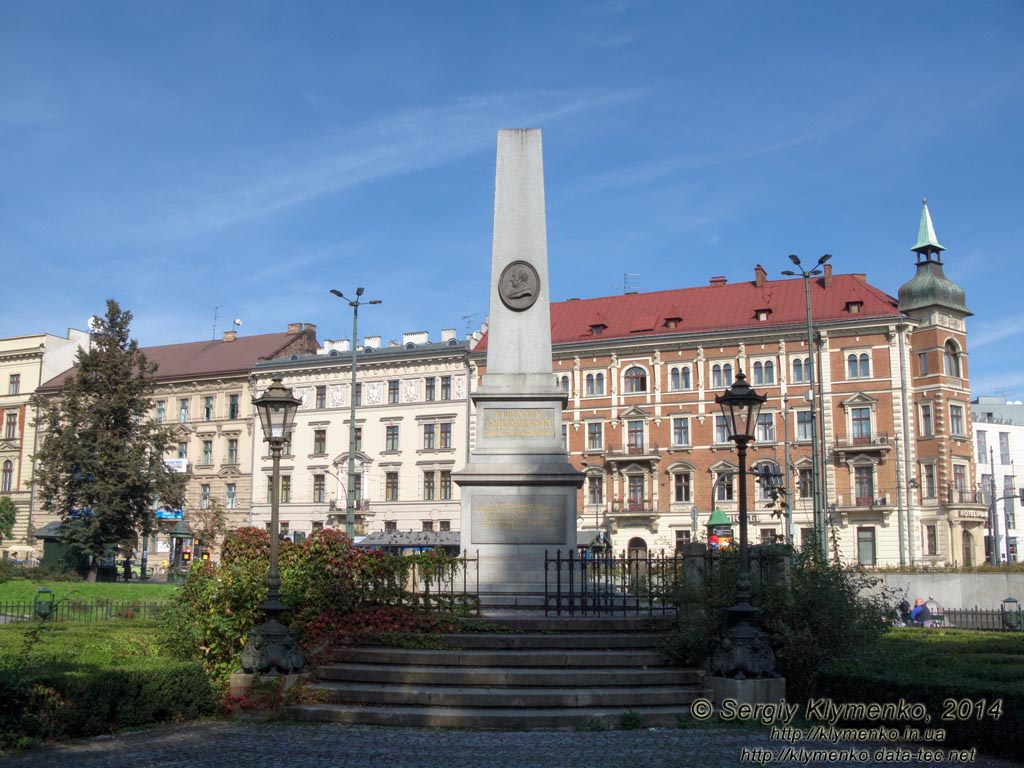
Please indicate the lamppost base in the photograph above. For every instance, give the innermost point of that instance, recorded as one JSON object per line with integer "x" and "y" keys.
{"x": 745, "y": 651}
{"x": 272, "y": 649}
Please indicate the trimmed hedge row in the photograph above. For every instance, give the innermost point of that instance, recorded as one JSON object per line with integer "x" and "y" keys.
{"x": 58, "y": 700}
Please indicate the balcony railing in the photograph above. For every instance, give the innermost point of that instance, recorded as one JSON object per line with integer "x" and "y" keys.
{"x": 878, "y": 440}
{"x": 634, "y": 449}
{"x": 957, "y": 496}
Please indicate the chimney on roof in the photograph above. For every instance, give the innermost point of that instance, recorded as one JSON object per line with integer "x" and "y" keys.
{"x": 719, "y": 280}
{"x": 828, "y": 275}
{"x": 311, "y": 328}
{"x": 294, "y": 327}
{"x": 447, "y": 334}
{"x": 415, "y": 337}
{"x": 371, "y": 342}
{"x": 230, "y": 335}
{"x": 760, "y": 275}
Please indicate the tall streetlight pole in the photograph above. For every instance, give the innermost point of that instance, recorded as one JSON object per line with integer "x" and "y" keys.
{"x": 350, "y": 491}
{"x": 818, "y": 501}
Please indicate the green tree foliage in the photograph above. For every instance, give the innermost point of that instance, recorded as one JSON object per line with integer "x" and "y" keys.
{"x": 101, "y": 451}
{"x": 8, "y": 513}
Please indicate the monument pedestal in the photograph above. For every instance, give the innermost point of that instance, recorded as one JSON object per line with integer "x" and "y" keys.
{"x": 758, "y": 690}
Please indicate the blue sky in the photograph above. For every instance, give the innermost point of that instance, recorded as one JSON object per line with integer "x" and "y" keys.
{"x": 182, "y": 156}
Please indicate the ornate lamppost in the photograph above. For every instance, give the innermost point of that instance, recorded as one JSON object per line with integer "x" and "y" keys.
{"x": 350, "y": 493}
{"x": 271, "y": 647}
{"x": 744, "y": 651}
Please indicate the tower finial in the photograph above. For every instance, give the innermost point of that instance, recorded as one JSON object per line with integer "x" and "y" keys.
{"x": 927, "y": 243}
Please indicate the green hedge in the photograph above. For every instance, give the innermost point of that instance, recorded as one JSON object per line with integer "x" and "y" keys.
{"x": 60, "y": 700}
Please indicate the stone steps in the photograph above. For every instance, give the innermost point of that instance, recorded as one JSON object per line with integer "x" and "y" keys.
{"x": 525, "y": 672}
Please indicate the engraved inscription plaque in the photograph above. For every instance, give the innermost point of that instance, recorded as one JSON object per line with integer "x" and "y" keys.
{"x": 521, "y": 519}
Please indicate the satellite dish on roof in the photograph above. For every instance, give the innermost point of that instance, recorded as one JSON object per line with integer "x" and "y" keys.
{"x": 93, "y": 323}
{"x": 237, "y": 322}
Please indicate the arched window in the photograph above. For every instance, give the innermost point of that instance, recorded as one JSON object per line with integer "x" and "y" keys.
{"x": 758, "y": 373}
{"x": 673, "y": 381}
{"x": 764, "y": 373}
{"x": 801, "y": 370}
{"x": 679, "y": 378}
{"x": 858, "y": 366}
{"x": 589, "y": 384}
{"x": 565, "y": 384}
{"x": 8, "y": 477}
{"x": 727, "y": 375}
{"x": 595, "y": 384}
{"x": 637, "y": 547}
{"x": 636, "y": 380}
{"x": 716, "y": 376}
{"x": 951, "y": 359}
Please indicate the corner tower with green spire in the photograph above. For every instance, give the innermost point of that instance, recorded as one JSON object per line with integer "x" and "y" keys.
{"x": 951, "y": 525}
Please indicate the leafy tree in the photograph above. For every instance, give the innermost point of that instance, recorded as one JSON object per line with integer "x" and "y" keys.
{"x": 100, "y": 465}
{"x": 209, "y": 524}
{"x": 8, "y": 513}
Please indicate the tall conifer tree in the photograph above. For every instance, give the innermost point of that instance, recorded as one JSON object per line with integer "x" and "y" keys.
{"x": 100, "y": 465}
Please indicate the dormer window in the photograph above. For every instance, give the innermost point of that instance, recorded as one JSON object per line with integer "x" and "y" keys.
{"x": 597, "y": 329}
{"x": 854, "y": 307}
{"x": 762, "y": 314}
{"x": 673, "y": 322}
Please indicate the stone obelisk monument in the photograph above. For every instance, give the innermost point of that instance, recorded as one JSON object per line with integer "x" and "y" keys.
{"x": 518, "y": 488}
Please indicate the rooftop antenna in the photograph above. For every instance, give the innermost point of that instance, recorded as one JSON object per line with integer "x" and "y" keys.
{"x": 469, "y": 321}
{"x": 215, "y": 311}
{"x": 631, "y": 282}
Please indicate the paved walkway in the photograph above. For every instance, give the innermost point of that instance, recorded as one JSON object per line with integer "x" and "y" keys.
{"x": 215, "y": 744}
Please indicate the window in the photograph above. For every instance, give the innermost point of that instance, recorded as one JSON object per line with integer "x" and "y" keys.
{"x": 564, "y": 384}
{"x": 801, "y": 370}
{"x": 391, "y": 486}
{"x": 922, "y": 364}
{"x": 233, "y": 412}
{"x": 681, "y": 430}
{"x": 595, "y": 436}
{"x": 393, "y": 391}
{"x": 427, "y": 525}
{"x": 595, "y": 384}
{"x": 866, "y": 545}
{"x": 11, "y": 432}
{"x": 635, "y": 380}
{"x": 446, "y": 387}
{"x": 765, "y": 432}
{"x": 928, "y": 490}
{"x": 986, "y": 488}
{"x": 446, "y": 435}
{"x": 359, "y": 393}
{"x": 721, "y": 430}
{"x": 804, "y": 425}
{"x": 681, "y": 487}
{"x": 956, "y": 420}
{"x": 860, "y": 423}
{"x": 1004, "y": 447}
{"x": 391, "y": 438}
{"x": 858, "y": 366}
{"x": 444, "y": 525}
{"x": 182, "y": 450}
{"x": 8, "y": 477}
{"x": 183, "y": 410}
{"x": 981, "y": 438}
{"x": 233, "y": 451}
{"x": 429, "y": 387}
{"x": 207, "y": 451}
{"x": 359, "y": 438}
{"x": 319, "y": 441}
{"x": 428, "y": 437}
{"x": 446, "y": 484}
{"x": 721, "y": 375}
{"x": 951, "y": 359}
{"x": 764, "y": 489}
{"x": 207, "y": 409}
{"x": 864, "y": 485}
{"x": 764, "y": 373}
{"x": 161, "y": 411}
{"x": 357, "y": 487}
{"x": 229, "y": 494}
{"x": 204, "y": 496}
{"x": 595, "y": 490}
{"x": 960, "y": 477}
{"x": 14, "y": 384}
{"x": 636, "y": 490}
{"x": 635, "y": 435}
{"x": 931, "y": 540}
{"x": 679, "y": 378}
{"x": 286, "y": 489}
{"x": 768, "y": 535}
{"x": 682, "y": 538}
{"x": 927, "y": 428}
{"x": 723, "y": 486}
{"x": 321, "y": 396}
{"x": 319, "y": 489}
{"x": 428, "y": 485}
{"x": 805, "y": 483}
{"x": 390, "y": 526}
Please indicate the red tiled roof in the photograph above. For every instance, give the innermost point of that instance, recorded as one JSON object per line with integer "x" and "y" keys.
{"x": 206, "y": 358}
{"x": 722, "y": 306}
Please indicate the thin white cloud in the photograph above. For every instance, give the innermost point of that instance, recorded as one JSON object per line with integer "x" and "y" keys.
{"x": 993, "y": 332}
{"x": 386, "y": 147}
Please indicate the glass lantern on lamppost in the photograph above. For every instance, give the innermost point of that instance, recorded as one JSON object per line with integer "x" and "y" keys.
{"x": 744, "y": 651}
{"x": 271, "y": 648}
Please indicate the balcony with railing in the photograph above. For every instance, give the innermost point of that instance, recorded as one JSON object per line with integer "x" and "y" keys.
{"x": 633, "y": 450}
{"x": 963, "y": 497}
{"x": 636, "y": 511}
{"x": 874, "y": 442}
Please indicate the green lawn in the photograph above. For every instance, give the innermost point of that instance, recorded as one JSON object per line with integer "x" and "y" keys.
{"x": 106, "y": 644}
{"x": 22, "y": 590}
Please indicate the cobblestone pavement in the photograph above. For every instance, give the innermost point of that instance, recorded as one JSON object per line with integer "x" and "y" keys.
{"x": 210, "y": 744}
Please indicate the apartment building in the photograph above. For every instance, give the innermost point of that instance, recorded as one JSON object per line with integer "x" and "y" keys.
{"x": 999, "y": 448}
{"x": 411, "y": 433}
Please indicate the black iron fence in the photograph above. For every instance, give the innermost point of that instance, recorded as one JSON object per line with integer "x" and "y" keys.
{"x": 78, "y": 610}
{"x": 998, "y": 619}
{"x": 431, "y": 581}
{"x": 629, "y": 584}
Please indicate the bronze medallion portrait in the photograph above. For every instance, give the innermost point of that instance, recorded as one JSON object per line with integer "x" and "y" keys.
{"x": 519, "y": 286}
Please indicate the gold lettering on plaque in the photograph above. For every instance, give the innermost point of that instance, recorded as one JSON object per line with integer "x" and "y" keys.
{"x": 518, "y": 422}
